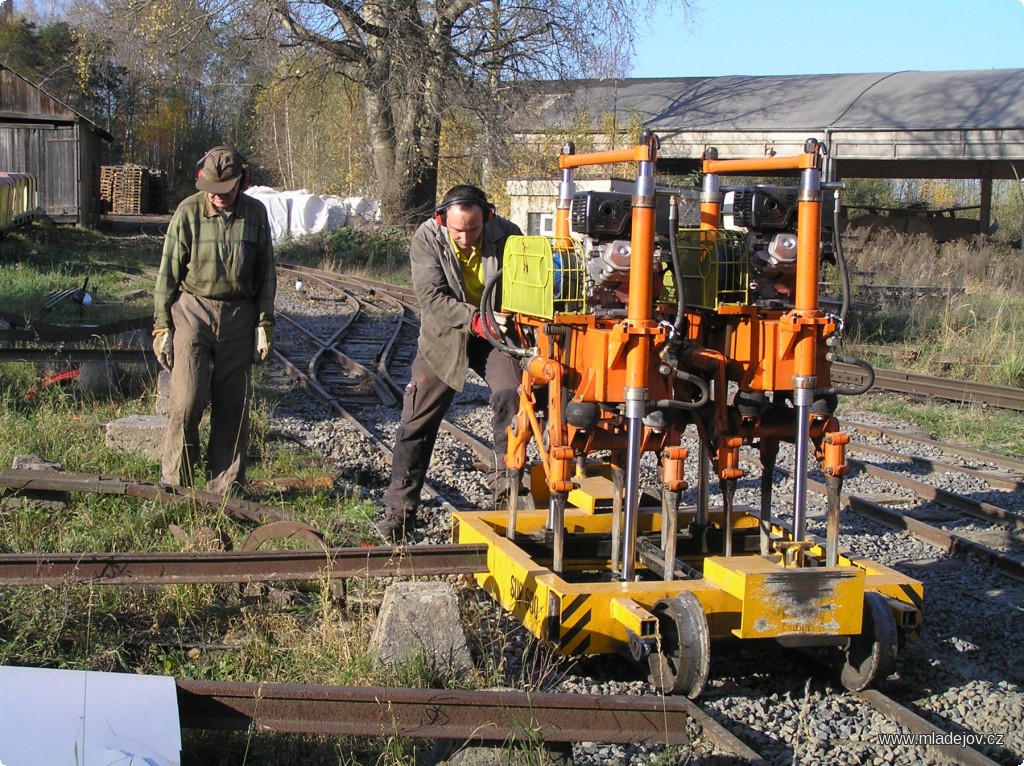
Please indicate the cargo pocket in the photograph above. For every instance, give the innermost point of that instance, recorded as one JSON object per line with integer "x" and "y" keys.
{"x": 408, "y": 401}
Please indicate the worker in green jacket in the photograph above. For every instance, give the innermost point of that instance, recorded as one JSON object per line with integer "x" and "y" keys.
{"x": 214, "y": 313}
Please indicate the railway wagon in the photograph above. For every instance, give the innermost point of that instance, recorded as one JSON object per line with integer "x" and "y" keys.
{"x": 19, "y": 197}
{"x": 633, "y": 333}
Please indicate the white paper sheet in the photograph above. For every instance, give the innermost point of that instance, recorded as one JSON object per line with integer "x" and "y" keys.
{"x": 86, "y": 718}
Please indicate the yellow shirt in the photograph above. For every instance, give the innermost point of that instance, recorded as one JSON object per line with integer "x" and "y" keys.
{"x": 472, "y": 272}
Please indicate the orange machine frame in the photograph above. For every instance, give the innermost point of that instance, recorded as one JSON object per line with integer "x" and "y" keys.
{"x": 618, "y": 364}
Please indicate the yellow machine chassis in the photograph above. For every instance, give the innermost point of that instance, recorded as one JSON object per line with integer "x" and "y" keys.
{"x": 626, "y": 373}
{"x": 744, "y": 595}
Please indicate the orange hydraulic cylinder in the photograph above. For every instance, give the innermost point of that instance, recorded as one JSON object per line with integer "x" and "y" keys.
{"x": 835, "y": 454}
{"x": 808, "y": 243}
{"x": 562, "y": 230}
{"x": 641, "y": 266}
{"x": 673, "y": 469}
{"x": 729, "y": 457}
{"x": 805, "y": 303}
{"x": 710, "y": 215}
{"x": 640, "y": 288}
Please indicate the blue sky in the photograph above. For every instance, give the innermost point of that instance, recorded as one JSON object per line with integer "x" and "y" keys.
{"x": 752, "y": 37}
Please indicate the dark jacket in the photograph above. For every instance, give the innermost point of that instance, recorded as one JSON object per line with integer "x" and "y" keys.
{"x": 440, "y": 287}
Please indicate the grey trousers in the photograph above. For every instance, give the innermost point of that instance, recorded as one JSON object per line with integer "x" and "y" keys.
{"x": 426, "y": 402}
{"x": 213, "y": 348}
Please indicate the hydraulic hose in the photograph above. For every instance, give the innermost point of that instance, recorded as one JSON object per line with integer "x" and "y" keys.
{"x": 679, "y": 327}
{"x": 834, "y": 357}
{"x": 705, "y": 395}
{"x": 844, "y": 274}
{"x": 487, "y": 310}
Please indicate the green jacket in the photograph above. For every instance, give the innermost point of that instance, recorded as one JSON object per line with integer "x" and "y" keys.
{"x": 211, "y": 258}
{"x": 440, "y": 288}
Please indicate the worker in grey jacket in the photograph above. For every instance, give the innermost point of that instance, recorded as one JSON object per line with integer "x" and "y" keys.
{"x": 214, "y": 312}
{"x": 454, "y": 255}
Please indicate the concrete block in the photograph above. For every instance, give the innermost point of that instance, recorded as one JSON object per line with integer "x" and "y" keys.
{"x": 143, "y": 434}
{"x": 97, "y": 378}
{"x": 50, "y": 501}
{"x": 422, "y": 618}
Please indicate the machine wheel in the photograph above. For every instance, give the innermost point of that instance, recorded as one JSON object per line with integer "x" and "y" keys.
{"x": 297, "y": 535}
{"x": 679, "y": 665}
{"x": 871, "y": 655}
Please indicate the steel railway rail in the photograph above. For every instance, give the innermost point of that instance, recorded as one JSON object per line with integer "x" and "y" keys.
{"x": 959, "y": 391}
{"x": 298, "y": 565}
{"x": 952, "y": 542}
{"x": 502, "y": 717}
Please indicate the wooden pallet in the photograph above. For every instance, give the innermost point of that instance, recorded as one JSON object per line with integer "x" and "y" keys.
{"x": 132, "y": 189}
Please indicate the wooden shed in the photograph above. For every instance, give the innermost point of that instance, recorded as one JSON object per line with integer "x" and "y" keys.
{"x": 45, "y": 138}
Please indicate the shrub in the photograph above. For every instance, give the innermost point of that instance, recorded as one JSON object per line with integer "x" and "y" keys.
{"x": 380, "y": 251}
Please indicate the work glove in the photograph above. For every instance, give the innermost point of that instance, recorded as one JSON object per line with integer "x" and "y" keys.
{"x": 476, "y": 326}
{"x": 264, "y": 344}
{"x": 163, "y": 347}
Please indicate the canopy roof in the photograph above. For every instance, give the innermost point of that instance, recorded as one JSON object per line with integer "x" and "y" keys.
{"x": 956, "y": 124}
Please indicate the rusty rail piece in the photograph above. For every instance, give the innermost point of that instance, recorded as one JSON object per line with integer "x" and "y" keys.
{"x": 33, "y": 480}
{"x": 943, "y": 744}
{"x": 482, "y": 716}
{"x": 308, "y": 565}
{"x": 976, "y": 508}
{"x": 1002, "y": 461}
{"x": 963, "y": 391}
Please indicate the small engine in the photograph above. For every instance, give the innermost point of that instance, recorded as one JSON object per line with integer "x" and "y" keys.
{"x": 768, "y": 214}
{"x": 602, "y": 219}
{"x": 763, "y": 273}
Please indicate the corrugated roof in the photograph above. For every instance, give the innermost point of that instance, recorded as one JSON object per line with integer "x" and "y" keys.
{"x": 966, "y": 124}
{"x": 973, "y": 99}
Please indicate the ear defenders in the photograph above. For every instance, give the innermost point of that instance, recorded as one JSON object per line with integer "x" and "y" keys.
{"x": 481, "y": 202}
{"x": 246, "y": 173}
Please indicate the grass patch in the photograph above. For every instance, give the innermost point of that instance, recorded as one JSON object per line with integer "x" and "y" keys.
{"x": 993, "y": 430}
{"x": 40, "y": 259}
{"x": 970, "y": 323}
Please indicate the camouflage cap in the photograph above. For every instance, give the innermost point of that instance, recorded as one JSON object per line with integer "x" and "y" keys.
{"x": 220, "y": 170}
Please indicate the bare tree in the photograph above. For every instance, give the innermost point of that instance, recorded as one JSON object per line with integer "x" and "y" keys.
{"x": 419, "y": 61}
{"x": 416, "y": 62}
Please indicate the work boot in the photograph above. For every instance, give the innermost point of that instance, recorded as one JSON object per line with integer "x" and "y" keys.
{"x": 396, "y": 526}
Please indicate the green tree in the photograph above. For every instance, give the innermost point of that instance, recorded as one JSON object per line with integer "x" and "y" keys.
{"x": 61, "y": 59}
